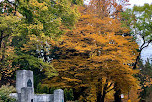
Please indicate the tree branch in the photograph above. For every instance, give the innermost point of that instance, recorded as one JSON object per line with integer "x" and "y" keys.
{"x": 110, "y": 90}
{"x": 146, "y": 45}
{"x": 141, "y": 48}
{"x": 11, "y": 3}
{"x": 109, "y": 86}
{"x": 143, "y": 42}
{"x": 2, "y": 37}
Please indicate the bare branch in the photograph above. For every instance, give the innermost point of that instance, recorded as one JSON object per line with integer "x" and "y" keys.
{"x": 146, "y": 45}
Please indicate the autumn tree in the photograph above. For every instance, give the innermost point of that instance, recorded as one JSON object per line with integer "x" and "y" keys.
{"x": 112, "y": 9}
{"x": 108, "y": 8}
{"x": 38, "y": 22}
{"x": 93, "y": 58}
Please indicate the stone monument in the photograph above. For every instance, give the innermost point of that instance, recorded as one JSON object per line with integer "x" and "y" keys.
{"x": 24, "y": 85}
{"x": 58, "y": 95}
{"x": 25, "y": 90}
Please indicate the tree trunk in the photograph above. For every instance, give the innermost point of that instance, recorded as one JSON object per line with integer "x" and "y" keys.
{"x": 77, "y": 94}
{"x": 99, "y": 96}
{"x": 103, "y": 96}
{"x": 1, "y": 37}
{"x": 117, "y": 95}
{"x": 99, "y": 93}
{"x": 137, "y": 60}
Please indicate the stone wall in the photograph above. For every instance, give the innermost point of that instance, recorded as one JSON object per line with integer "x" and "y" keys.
{"x": 58, "y": 96}
{"x": 43, "y": 98}
{"x": 14, "y": 95}
{"x": 27, "y": 94}
{"x": 25, "y": 90}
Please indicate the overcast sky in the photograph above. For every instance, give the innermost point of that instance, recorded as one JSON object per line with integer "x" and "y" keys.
{"x": 132, "y": 2}
{"x": 139, "y": 2}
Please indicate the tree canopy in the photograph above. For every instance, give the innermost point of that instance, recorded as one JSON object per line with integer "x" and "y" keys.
{"x": 26, "y": 21}
{"x": 89, "y": 50}
{"x": 95, "y": 58}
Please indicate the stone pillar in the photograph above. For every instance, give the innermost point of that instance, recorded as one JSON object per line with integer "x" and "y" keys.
{"x": 24, "y": 78}
{"x": 58, "y": 95}
{"x": 24, "y": 83}
{"x": 27, "y": 94}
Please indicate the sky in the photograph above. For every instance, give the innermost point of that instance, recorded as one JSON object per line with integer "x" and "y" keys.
{"x": 132, "y": 2}
{"x": 139, "y": 2}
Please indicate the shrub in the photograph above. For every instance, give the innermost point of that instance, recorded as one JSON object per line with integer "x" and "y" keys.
{"x": 5, "y": 90}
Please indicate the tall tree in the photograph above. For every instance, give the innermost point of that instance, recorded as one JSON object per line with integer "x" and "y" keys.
{"x": 42, "y": 21}
{"x": 8, "y": 24}
{"x": 39, "y": 21}
{"x": 95, "y": 56}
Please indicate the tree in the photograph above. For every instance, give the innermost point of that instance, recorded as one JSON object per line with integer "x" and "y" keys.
{"x": 108, "y": 8}
{"x": 140, "y": 21}
{"x": 45, "y": 20}
{"x": 7, "y": 29}
{"x": 145, "y": 80}
{"x": 41, "y": 21}
{"x": 92, "y": 60}
{"x": 38, "y": 22}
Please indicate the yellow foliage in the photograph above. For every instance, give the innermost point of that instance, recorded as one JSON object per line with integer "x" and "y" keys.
{"x": 96, "y": 55}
